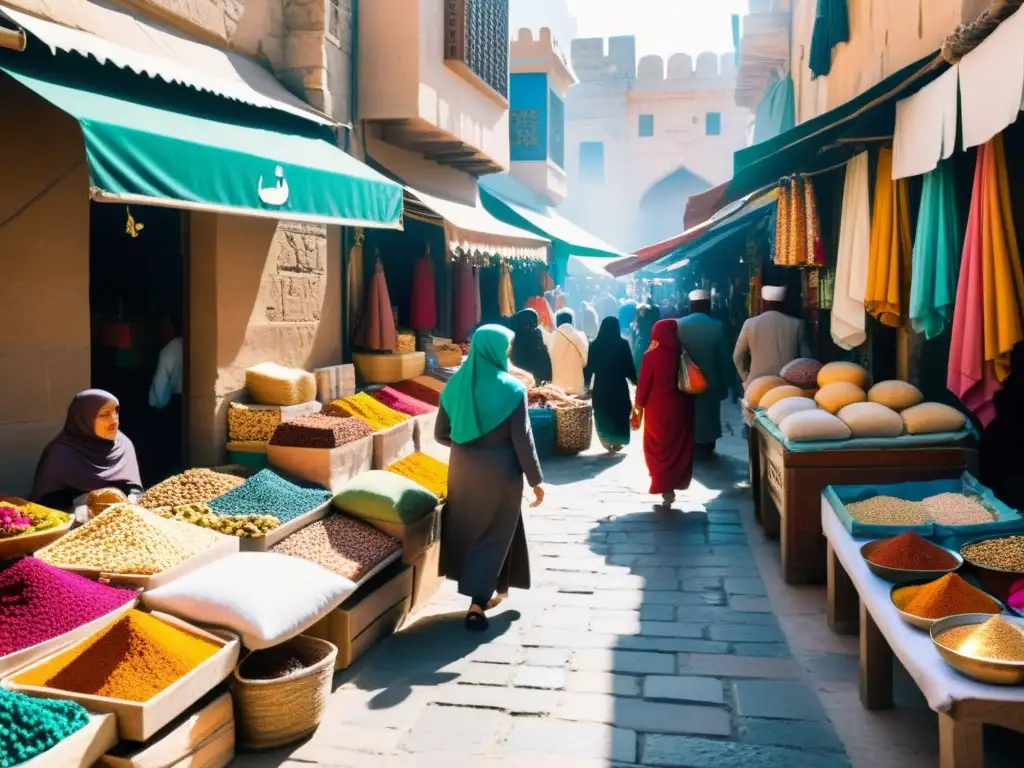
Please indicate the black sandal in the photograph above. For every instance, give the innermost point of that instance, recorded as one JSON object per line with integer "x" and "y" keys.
{"x": 476, "y": 621}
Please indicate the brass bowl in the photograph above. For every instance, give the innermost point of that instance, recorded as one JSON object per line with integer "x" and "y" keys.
{"x": 985, "y": 670}
{"x": 902, "y": 575}
{"x": 996, "y": 581}
{"x": 900, "y": 601}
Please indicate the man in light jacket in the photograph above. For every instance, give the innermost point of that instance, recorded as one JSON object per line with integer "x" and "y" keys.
{"x": 770, "y": 340}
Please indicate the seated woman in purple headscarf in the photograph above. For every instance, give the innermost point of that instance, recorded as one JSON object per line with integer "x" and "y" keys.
{"x": 90, "y": 453}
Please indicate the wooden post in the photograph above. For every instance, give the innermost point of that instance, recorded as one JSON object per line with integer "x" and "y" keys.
{"x": 960, "y": 743}
{"x": 875, "y": 664}
{"x": 843, "y": 600}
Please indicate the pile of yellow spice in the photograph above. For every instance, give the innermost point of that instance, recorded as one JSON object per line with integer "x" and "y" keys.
{"x": 429, "y": 472}
{"x": 371, "y": 412}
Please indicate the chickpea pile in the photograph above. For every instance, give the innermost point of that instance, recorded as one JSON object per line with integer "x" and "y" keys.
{"x": 194, "y": 486}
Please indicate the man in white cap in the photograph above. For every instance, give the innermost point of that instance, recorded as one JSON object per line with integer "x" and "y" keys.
{"x": 771, "y": 340}
{"x": 704, "y": 338}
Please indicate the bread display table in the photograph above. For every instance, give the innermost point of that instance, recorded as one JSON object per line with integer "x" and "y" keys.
{"x": 791, "y": 482}
{"x": 963, "y": 705}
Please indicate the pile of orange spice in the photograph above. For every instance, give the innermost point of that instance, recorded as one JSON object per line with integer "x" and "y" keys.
{"x": 910, "y": 552}
{"x": 134, "y": 659}
{"x": 947, "y": 596}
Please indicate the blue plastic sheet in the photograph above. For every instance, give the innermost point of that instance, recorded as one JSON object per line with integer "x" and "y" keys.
{"x": 864, "y": 443}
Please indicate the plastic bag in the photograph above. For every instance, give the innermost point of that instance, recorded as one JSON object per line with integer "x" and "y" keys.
{"x": 691, "y": 379}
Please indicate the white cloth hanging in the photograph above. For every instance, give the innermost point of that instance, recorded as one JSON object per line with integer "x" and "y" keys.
{"x": 848, "y": 323}
{"x": 992, "y": 83}
{"x": 926, "y": 127}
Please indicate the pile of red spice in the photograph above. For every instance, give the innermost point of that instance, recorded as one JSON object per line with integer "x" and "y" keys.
{"x": 402, "y": 402}
{"x": 909, "y": 552}
{"x": 949, "y": 596}
{"x": 39, "y": 602}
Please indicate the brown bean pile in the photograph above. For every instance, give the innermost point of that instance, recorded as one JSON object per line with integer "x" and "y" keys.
{"x": 1006, "y": 554}
{"x": 348, "y": 547}
{"x": 320, "y": 431}
{"x": 957, "y": 509}
{"x": 194, "y": 486}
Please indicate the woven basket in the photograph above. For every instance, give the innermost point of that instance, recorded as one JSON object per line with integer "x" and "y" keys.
{"x": 574, "y": 429}
{"x": 448, "y": 359}
{"x": 272, "y": 713}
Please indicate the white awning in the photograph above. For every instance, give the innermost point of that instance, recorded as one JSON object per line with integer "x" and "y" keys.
{"x": 112, "y": 35}
{"x": 470, "y": 229}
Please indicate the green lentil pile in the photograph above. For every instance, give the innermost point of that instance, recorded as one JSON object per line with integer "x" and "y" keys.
{"x": 1006, "y": 554}
{"x": 242, "y": 526}
{"x": 30, "y": 726}
{"x": 267, "y": 493}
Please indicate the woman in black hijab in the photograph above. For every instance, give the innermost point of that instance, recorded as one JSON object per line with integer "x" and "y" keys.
{"x": 90, "y": 453}
{"x": 529, "y": 351}
{"x": 610, "y": 365}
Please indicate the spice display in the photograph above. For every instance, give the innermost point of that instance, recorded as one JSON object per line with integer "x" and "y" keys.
{"x": 272, "y": 664}
{"x": 1006, "y": 554}
{"x": 419, "y": 391}
{"x": 401, "y": 402}
{"x": 343, "y": 545}
{"x": 429, "y": 472}
{"x": 910, "y": 552}
{"x": 242, "y": 526}
{"x": 128, "y": 540}
{"x": 957, "y": 509}
{"x": 39, "y": 602}
{"x": 996, "y": 640}
{"x": 30, "y": 726}
{"x": 363, "y": 407}
{"x": 195, "y": 486}
{"x": 18, "y": 517}
{"x": 267, "y": 493}
{"x": 943, "y": 597}
{"x": 320, "y": 431}
{"x": 12, "y": 522}
{"x": 888, "y": 510}
{"x": 134, "y": 659}
{"x": 248, "y": 424}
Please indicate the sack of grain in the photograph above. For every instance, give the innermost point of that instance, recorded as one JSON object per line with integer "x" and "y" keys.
{"x": 273, "y": 384}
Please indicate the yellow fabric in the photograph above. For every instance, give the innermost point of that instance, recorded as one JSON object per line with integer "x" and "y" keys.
{"x": 506, "y": 297}
{"x": 1003, "y": 281}
{"x": 889, "y": 259}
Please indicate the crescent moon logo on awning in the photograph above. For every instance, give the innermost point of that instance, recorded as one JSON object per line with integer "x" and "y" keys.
{"x": 276, "y": 195}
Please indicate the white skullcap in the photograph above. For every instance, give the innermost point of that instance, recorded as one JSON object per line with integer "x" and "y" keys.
{"x": 699, "y": 295}
{"x": 773, "y": 293}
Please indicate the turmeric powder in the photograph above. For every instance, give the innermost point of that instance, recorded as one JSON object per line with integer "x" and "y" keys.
{"x": 134, "y": 659}
{"x": 368, "y": 410}
{"x": 429, "y": 472}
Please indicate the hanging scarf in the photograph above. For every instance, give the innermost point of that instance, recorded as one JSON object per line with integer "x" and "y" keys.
{"x": 889, "y": 260}
{"x": 988, "y": 319}
{"x": 464, "y": 304}
{"x": 482, "y": 393}
{"x": 378, "y": 327}
{"x": 797, "y": 227}
{"x": 423, "y": 309}
{"x": 935, "y": 256}
{"x": 831, "y": 27}
{"x": 356, "y": 283}
{"x": 506, "y": 296}
{"x": 848, "y": 321}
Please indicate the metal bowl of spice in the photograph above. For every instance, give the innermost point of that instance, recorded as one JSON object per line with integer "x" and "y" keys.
{"x": 908, "y": 557}
{"x": 982, "y": 647}
{"x": 997, "y": 563}
{"x": 922, "y": 604}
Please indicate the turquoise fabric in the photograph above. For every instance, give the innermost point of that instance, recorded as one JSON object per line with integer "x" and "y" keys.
{"x": 865, "y": 443}
{"x": 936, "y": 260}
{"x": 776, "y": 113}
{"x": 482, "y": 393}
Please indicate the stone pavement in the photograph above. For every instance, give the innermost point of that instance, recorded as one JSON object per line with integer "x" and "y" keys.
{"x": 647, "y": 639}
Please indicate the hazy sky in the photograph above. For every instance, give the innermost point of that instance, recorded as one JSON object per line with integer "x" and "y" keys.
{"x": 662, "y": 27}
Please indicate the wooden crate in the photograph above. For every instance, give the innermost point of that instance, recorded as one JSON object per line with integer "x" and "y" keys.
{"x": 140, "y": 721}
{"x": 427, "y": 579}
{"x": 394, "y": 443}
{"x": 264, "y": 543}
{"x": 81, "y": 749}
{"x": 415, "y": 537}
{"x": 330, "y": 468}
{"x": 388, "y": 369}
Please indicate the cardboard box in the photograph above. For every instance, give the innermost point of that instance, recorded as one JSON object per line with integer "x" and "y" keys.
{"x": 329, "y": 468}
{"x": 361, "y": 613}
{"x": 393, "y": 444}
{"x": 427, "y": 579}
{"x": 203, "y": 737}
{"x": 415, "y": 537}
{"x": 81, "y": 749}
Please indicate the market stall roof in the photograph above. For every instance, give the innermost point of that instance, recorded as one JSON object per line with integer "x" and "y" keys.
{"x": 114, "y": 36}
{"x": 588, "y": 266}
{"x": 141, "y": 152}
{"x": 510, "y": 201}
{"x": 470, "y": 229}
{"x": 724, "y": 233}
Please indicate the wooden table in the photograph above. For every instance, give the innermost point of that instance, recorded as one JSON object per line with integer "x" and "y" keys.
{"x": 963, "y": 706}
{"x": 791, "y": 483}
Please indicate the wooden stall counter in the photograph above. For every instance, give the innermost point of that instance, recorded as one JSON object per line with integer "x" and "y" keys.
{"x": 791, "y": 482}
{"x": 963, "y": 705}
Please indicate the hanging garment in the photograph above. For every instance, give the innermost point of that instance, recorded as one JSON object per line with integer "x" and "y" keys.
{"x": 987, "y": 314}
{"x": 889, "y": 260}
{"x": 464, "y": 304}
{"x": 831, "y": 27}
{"x": 848, "y": 322}
{"x": 356, "y": 285}
{"x": 506, "y": 296}
{"x": 423, "y": 309}
{"x": 936, "y": 257}
{"x": 776, "y": 112}
{"x": 797, "y": 228}
{"x": 476, "y": 295}
{"x": 378, "y": 322}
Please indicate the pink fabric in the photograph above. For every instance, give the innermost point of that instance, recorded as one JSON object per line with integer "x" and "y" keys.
{"x": 476, "y": 295}
{"x": 379, "y": 323}
{"x": 423, "y": 309}
{"x": 464, "y": 306}
{"x": 1016, "y": 598}
{"x": 970, "y": 377}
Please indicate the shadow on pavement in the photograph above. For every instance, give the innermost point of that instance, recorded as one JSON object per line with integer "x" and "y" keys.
{"x": 583, "y": 467}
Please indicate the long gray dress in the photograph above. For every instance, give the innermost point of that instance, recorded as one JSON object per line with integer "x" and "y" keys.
{"x": 483, "y": 542}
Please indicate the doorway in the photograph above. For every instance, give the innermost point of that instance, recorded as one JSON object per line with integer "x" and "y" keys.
{"x": 138, "y": 303}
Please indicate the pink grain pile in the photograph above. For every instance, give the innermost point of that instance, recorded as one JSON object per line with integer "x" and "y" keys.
{"x": 39, "y": 602}
{"x": 402, "y": 402}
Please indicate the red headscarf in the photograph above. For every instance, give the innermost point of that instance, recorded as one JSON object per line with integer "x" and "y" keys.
{"x": 665, "y": 346}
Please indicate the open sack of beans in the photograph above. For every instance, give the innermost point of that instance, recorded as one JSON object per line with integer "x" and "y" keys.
{"x": 256, "y": 423}
{"x": 268, "y": 493}
{"x": 320, "y": 431}
{"x": 343, "y": 545}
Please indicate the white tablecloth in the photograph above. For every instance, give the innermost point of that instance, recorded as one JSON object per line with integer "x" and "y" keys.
{"x": 942, "y": 685}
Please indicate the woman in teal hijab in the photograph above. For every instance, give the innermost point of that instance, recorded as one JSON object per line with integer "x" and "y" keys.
{"x": 483, "y": 419}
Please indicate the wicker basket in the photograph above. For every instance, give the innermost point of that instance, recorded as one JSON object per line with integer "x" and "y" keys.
{"x": 574, "y": 429}
{"x": 272, "y": 713}
{"x": 405, "y": 343}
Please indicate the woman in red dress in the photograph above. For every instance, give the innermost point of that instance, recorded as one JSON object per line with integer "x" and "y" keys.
{"x": 668, "y": 435}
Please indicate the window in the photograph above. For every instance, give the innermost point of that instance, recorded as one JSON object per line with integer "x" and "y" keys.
{"x": 476, "y": 37}
{"x": 592, "y": 162}
{"x": 556, "y": 130}
{"x": 334, "y": 21}
{"x": 646, "y": 126}
{"x": 713, "y": 123}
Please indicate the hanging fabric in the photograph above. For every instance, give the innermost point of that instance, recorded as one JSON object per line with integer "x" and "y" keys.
{"x": 548, "y": 282}
{"x": 506, "y": 296}
{"x": 356, "y": 284}
{"x": 797, "y": 227}
{"x": 848, "y": 321}
{"x": 464, "y": 306}
{"x": 936, "y": 256}
{"x": 476, "y": 295}
{"x": 423, "y": 308}
{"x": 776, "y": 111}
{"x": 379, "y": 323}
{"x": 889, "y": 260}
{"x": 831, "y": 27}
{"x": 987, "y": 314}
